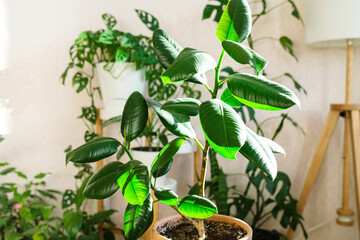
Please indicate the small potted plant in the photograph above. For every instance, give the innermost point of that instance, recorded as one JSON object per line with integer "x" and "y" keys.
{"x": 116, "y": 57}
{"x": 223, "y": 129}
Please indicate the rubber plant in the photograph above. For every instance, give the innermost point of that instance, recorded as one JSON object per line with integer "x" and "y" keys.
{"x": 223, "y": 129}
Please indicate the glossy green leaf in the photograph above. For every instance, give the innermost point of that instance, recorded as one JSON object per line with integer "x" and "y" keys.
{"x": 185, "y": 106}
{"x": 235, "y": 22}
{"x": 95, "y": 150}
{"x": 103, "y": 183}
{"x": 135, "y": 116}
{"x": 138, "y": 218}
{"x": 258, "y": 152}
{"x": 189, "y": 63}
{"x": 258, "y": 92}
{"x": 223, "y": 127}
{"x": 177, "y": 124}
{"x": 166, "y": 154}
{"x": 72, "y": 223}
{"x": 197, "y": 207}
{"x": 149, "y": 20}
{"x": 134, "y": 182}
{"x": 228, "y": 98}
{"x": 167, "y": 50}
{"x": 166, "y": 196}
{"x": 163, "y": 170}
{"x": 244, "y": 55}
{"x": 275, "y": 147}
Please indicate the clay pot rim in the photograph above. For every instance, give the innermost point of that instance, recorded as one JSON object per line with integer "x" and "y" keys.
{"x": 216, "y": 217}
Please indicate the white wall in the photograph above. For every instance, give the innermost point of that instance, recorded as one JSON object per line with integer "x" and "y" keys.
{"x": 35, "y": 38}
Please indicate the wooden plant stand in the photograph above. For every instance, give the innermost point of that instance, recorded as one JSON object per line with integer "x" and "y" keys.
{"x": 351, "y": 142}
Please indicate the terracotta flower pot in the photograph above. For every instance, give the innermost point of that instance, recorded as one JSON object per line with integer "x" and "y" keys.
{"x": 216, "y": 217}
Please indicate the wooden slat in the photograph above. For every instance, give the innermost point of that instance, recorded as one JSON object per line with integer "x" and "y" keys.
{"x": 355, "y": 137}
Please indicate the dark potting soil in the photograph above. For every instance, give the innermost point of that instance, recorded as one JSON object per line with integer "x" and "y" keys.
{"x": 214, "y": 230}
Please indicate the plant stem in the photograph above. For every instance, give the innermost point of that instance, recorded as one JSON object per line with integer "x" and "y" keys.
{"x": 127, "y": 150}
{"x": 187, "y": 218}
{"x": 203, "y": 170}
{"x": 199, "y": 144}
{"x": 217, "y": 71}
{"x": 223, "y": 81}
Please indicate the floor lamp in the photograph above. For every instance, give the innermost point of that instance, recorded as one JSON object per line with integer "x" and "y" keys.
{"x": 335, "y": 23}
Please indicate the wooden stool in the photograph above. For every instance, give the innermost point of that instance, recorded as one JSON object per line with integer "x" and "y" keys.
{"x": 351, "y": 135}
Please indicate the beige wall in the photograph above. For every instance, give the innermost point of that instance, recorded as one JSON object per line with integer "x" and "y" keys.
{"x": 35, "y": 38}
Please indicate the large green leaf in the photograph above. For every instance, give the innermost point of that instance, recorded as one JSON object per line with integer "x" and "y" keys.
{"x": 185, "y": 106}
{"x": 235, "y": 22}
{"x": 258, "y": 152}
{"x": 94, "y": 150}
{"x": 138, "y": 218}
{"x": 177, "y": 124}
{"x": 223, "y": 127}
{"x": 72, "y": 223}
{"x": 197, "y": 207}
{"x": 261, "y": 93}
{"x": 244, "y": 55}
{"x": 134, "y": 182}
{"x": 166, "y": 50}
{"x": 275, "y": 147}
{"x": 166, "y": 196}
{"x": 166, "y": 154}
{"x": 103, "y": 183}
{"x": 135, "y": 116}
{"x": 228, "y": 98}
{"x": 189, "y": 63}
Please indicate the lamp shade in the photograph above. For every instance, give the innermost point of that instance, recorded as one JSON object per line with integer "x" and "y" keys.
{"x": 329, "y": 23}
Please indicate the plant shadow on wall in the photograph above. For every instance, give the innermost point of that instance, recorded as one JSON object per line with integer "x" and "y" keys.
{"x": 280, "y": 201}
{"x": 224, "y": 130}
